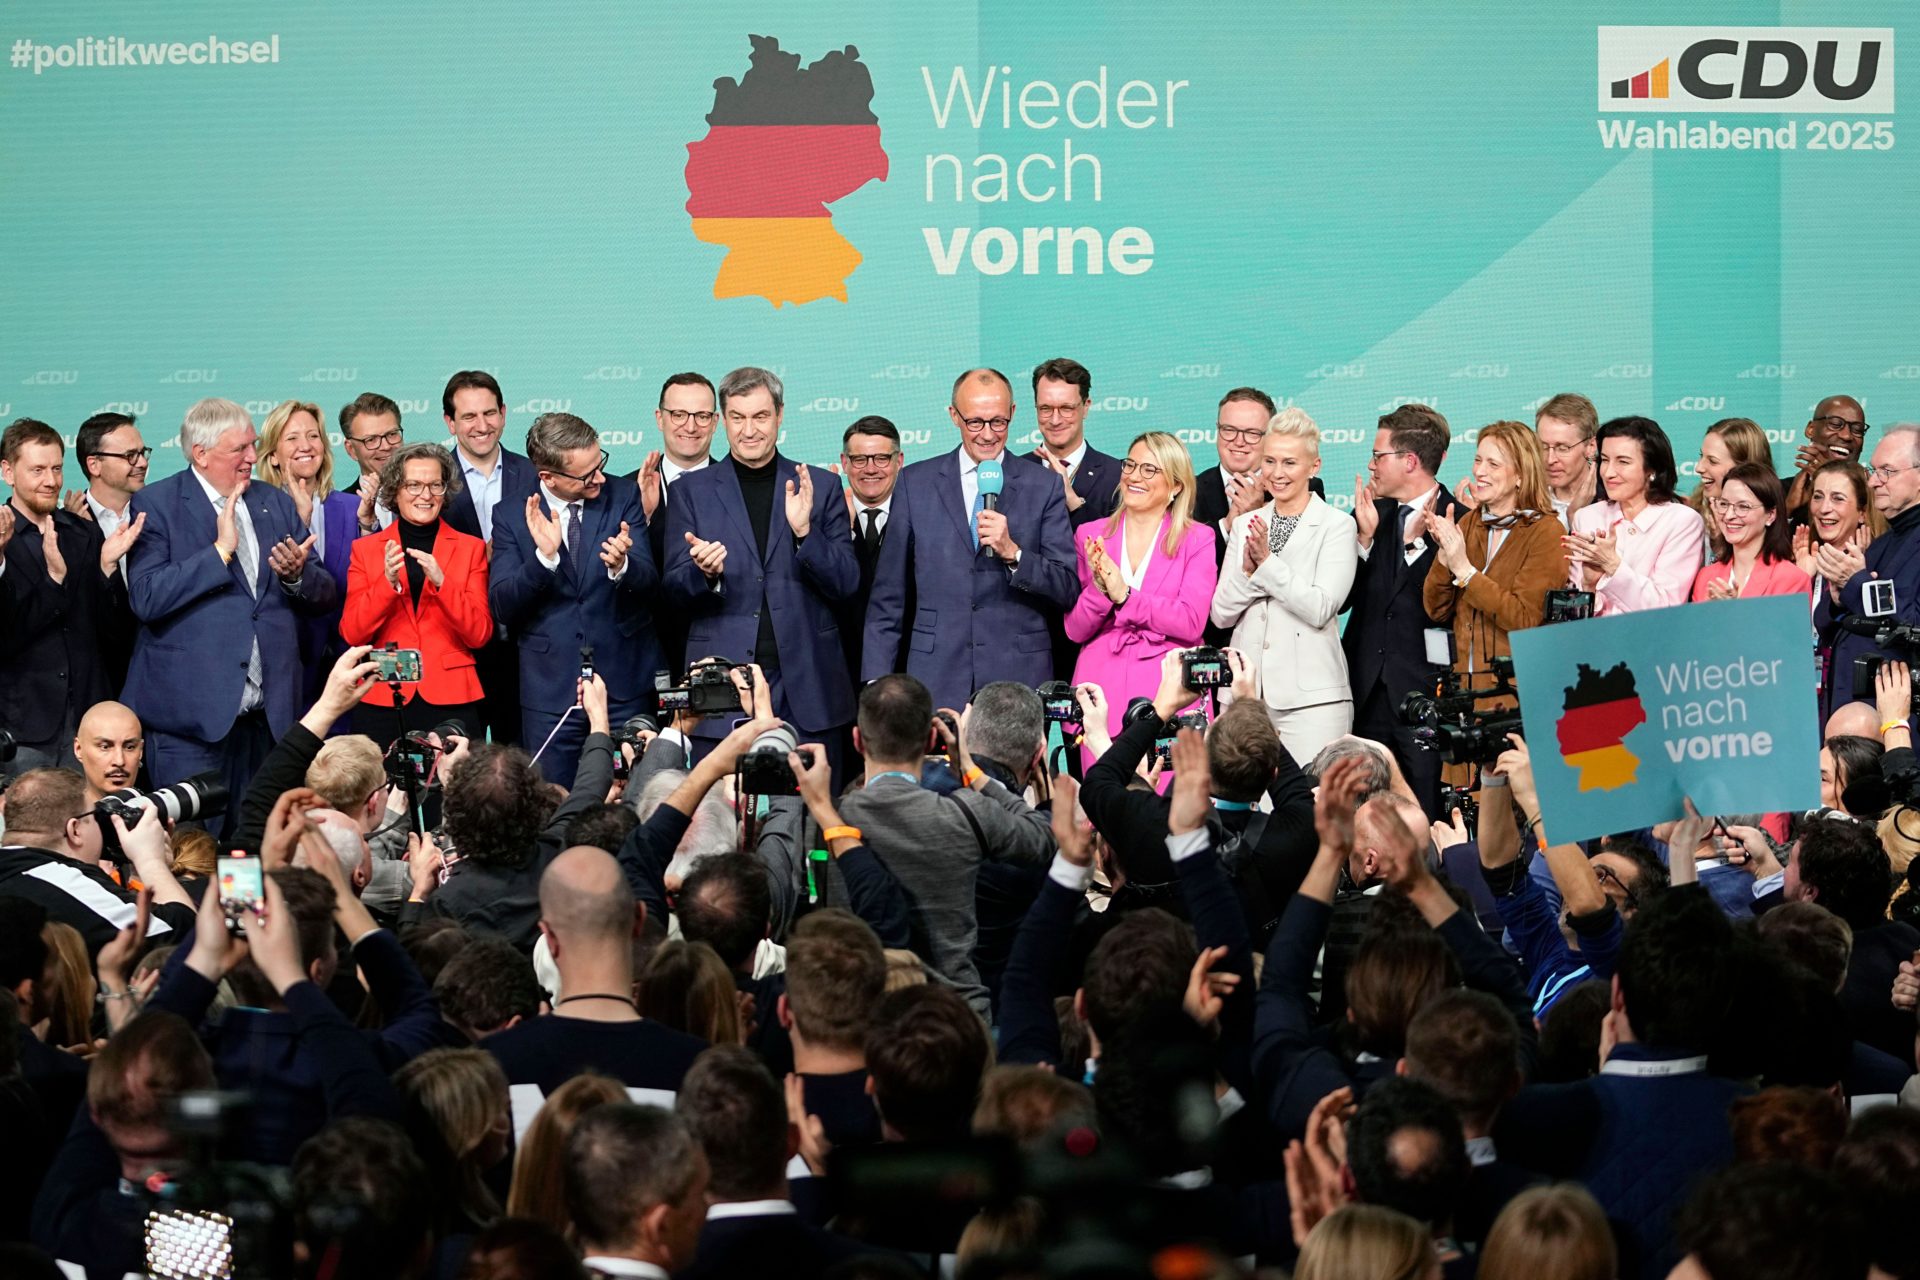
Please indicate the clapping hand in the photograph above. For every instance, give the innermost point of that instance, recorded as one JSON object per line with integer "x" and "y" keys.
{"x": 1106, "y": 575}
{"x": 1244, "y": 493}
{"x": 1596, "y": 552}
{"x": 800, "y": 501}
{"x": 430, "y": 566}
{"x": 119, "y": 542}
{"x": 708, "y": 557}
{"x": 1838, "y": 562}
{"x": 1333, "y": 806}
{"x": 289, "y": 558}
{"x": 650, "y": 485}
{"x": 396, "y": 566}
{"x": 1257, "y": 549}
{"x": 1060, "y": 468}
{"x": 1315, "y": 1188}
{"x": 1366, "y": 516}
{"x": 613, "y": 552}
{"x": 542, "y": 528}
{"x": 1207, "y": 991}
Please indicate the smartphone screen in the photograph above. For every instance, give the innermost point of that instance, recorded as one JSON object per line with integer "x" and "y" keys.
{"x": 398, "y": 664}
{"x": 242, "y": 884}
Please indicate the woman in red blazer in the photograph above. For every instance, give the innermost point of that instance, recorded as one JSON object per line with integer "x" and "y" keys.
{"x": 420, "y": 584}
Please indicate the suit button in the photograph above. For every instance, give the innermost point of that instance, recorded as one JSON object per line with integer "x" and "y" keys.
{"x": 1389, "y": 615}
{"x": 61, "y": 676}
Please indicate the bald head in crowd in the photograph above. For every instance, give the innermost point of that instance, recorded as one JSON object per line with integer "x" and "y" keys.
{"x": 585, "y": 902}
{"x": 109, "y": 746}
{"x": 1853, "y": 719}
{"x": 342, "y": 834}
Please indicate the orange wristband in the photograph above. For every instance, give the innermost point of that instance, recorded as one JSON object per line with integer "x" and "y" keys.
{"x": 972, "y": 775}
{"x": 840, "y": 833}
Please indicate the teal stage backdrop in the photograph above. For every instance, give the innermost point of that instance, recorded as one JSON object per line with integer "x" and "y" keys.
{"x": 1348, "y": 205}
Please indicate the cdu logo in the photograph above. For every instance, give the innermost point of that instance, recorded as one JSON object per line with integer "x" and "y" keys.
{"x": 1816, "y": 70}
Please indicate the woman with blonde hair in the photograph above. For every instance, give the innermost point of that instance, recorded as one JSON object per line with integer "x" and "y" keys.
{"x": 70, "y": 998}
{"x": 1550, "y": 1233}
{"x": 296, "y": 456}
{"x": 688, "y": 987}
{"x": 1729, "y": 443}
{"x": 1147, "y": 575}
{"x": 1492, "y": 568}
{"x": 1366, "y": 1242}
{"x": 1288, "y": 570}
{"x": 539, "y": 1183}
{"x": 459, "y": 1115}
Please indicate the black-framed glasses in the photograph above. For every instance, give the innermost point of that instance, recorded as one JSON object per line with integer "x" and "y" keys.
{"x": 1145, "y": 470}
{"x": 394, "y": 436}
{"x": 599, "y": 469}
{"x": 1244, "y": 435}
{"x": 1607, "y": 875}
{"x": 1845, "y": 426}
{"x": 415, "y": 488}
{"x": 867, "y": 461}
{"x": 1389, "y": 453}
{"x": 987, "y": 424}
{"x": 132, "y": 457}
{"x": 701, "y": 417}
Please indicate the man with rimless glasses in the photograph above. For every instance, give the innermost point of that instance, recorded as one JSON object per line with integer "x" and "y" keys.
{"x": 968, "y": 577}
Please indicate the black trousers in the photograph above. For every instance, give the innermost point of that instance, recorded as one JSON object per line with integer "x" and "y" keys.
{"x": 385, "y": 724}
{"x": 497, "y": 663}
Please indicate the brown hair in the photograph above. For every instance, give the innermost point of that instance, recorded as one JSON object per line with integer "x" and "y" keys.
{"x": 1558, "y": 1231}
{"x": 538, "y": 1191}
{"x": 70, "y": 998}
{"x": 1243, "y": 751}
{"x": 40, "y": 801}
{"x": 1062, "y": 369}
{"x": 688, "y": 987}
{"x": 152, "y": 1059}
{"x": 1573, "y": 409}
{"x": 1777, "y": 542}
{"x": 1366, "y": 1240}
{"x": 836, "y": 977}
{"x": 1466, "y": 1045}
{"x": 367, "y": 402}
{"x": 1812, "y": 937}
{"x": 22, "y": 432}
{"x": 1395, "y": 971}
{"x": 1862, "y": 492}
{"x": 1422, "y": 431}
{"x": 1804, "y": 1125}
{"x": 463, "y": 1094}
{"x": 1522, "y": 448}
{"x": 1253, "y": 395}
{"x": 194, "y": 852}
{"x": 1031, "y": 1104}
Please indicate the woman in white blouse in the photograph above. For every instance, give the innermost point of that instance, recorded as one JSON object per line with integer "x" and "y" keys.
{"x": 1289, "y": 566}
{"x": 1640, "y": 547}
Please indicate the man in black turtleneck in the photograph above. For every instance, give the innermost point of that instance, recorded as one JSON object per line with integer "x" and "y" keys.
{"x": 758, "y": 555}
{"x": 1891, "y": 557}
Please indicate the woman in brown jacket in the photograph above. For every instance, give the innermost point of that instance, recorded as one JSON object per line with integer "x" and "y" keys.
{"x": 1492, "y": 570}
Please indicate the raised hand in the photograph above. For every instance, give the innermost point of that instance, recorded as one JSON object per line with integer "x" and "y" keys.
{"x": 708, "y": 557}
{"x": 1073, "y": 837}
{"x": 542, "y": 528}
{"x": 50, "y": 547}
{"x": 1245, "y": 493}
{"x": 369, "y": 489}
{"x": 1803, "y": 550}
{"x": 1060, "y": 468}
{"x": 6, "y": 525}
{"x": 613, "y": 552}
{"x": 814, "y": 1147}
{"x": 1893, "y": 692}
{"x": 226, "y": 528}
{"x": 1257, "y": 548}
{"x": 300, "y": 489}
{"x": 1207, "y": 991}
{"x": 1192, "y": 784}
{"x": 430, "y": 566}
{"x": 650, "y": 485}
{"x": 1339, "y": 794}
{"x": 396, "y": 566}
{"x": 77, "y": 503}
{"x": 119, "y": 542}
{"x": 1366, "y": 516}
{"x": 846, "y": 492}
{"x": 800, "y": 501}
{"x": 289, "y": 558}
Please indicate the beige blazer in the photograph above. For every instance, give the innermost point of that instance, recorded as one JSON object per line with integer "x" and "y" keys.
{"x": 1285, "y": 616}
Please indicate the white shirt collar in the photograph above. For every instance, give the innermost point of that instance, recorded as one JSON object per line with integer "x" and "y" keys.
{"x": 884, "y": 507}
{"x": 608, "y": 1265}
{"x": 469, "y": 467}
{"x": 1073, "y": 459}
{"x": 553, "y": 500}
{"x": 103, "y": 515}
{"x": 969, "y": 464}
{"x": 1649, "y": 1067}
{"x": 213, "y": 495}
{"x": 750, "y": 1209}
{"x": 1420, "y": 503}
{"x": 671, "y": 470}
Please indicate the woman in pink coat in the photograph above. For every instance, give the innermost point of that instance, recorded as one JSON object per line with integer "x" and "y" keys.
{"x": 1147, "y": 575}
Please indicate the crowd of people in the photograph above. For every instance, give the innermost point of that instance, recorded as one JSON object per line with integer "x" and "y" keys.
{"x": 994, "y": 865}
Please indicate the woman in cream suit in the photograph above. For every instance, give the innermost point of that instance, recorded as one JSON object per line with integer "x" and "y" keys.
{"x": 1288, "y": 569}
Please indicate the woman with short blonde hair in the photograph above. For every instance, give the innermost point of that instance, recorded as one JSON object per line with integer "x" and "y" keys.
{"x": 1366, "y": 1242}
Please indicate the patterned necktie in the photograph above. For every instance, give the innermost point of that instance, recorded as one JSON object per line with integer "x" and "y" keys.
{"x": 573, "y": 535}
{"x": 253, "y": 696}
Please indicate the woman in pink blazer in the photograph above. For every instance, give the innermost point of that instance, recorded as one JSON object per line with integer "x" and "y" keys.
{"x": 1147, "y": 575}
{"x": 1758, "y": 560}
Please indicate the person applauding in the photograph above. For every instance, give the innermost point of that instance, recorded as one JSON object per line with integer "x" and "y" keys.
{"x": 420, "y": 584}
{"x": 1751, "y": 517}
{"x": 1641, "y": 547}
{"x": 1147, "y": 576}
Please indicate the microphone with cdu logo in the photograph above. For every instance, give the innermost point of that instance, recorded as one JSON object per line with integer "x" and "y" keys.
{"x": 989, "y": 478}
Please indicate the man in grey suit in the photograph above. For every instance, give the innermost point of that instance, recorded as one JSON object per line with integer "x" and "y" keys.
{"x": 934, "y": 844}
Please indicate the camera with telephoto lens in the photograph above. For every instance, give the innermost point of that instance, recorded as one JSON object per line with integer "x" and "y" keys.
{"x": 629, "y": 734}
{"x": 1885, "y": 634}
{"x": 1451, "y": 723}
{"x": 1058, "y": 703}
{"x": 216, "y": 1218}
{"x": 709, "y": 690}
{"x": 409, "y": 761}
{"x": 763, "y": 769}
{"x": 188, "y": 801}
{"x": 1205, "y": 667}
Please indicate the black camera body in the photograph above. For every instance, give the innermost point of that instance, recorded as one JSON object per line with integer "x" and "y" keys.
{"x": 1451, "y": 722}
{"x": 709, "y": 690}
{"x": 1163, "y": 745}
{"x": 1887, "y": 634}
{"x": 1567, "y": 605}
{"x": 1058, "y": 703}
{"x": 1461, "y": 798}
{"x": 188, "y": 801}
{"x": 1205, "y": 667}
{"x": 763, "y": 769}
{"x": 629, "y": 735}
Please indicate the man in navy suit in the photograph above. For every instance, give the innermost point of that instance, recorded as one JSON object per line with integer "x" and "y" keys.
{"x": 571, "y": 571}
{"x": 871, "y": 458}
{"x": 476, "y": 416}
{"x": 758, "y": 555}
{"x": 217, "y": 576}
{"x": 988, "y": 580}
{"x": 1089, "y": 479}
{"x": 686, "y": 418}
{"x": 1386, "y": 637}
{"x": 63, "y": 601}
{"x": 1893, "y": 556}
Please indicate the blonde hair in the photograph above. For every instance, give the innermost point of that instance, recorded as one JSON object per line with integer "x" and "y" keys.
{"x": 1001, "y": 1231}
{"x": 1745, "y": 443}
{"x": 1366, "y": 1242}
{"x": 1177, "y": 465}
{"x": 1522, "y": 448}
{"x": 539, "y": 1187}
{"x": 1550, "y": 1233}
{"x": 347, "y": 771}
{"x": 464, "y": 1093}
{"x": 70, "y": 998}
{"x": 266, "y": 467}
{"x": 904, "y": 969}
{"x": 194, "y": 852}
{"x": 688, "y": 987}
{"x": 1293, "y": 421}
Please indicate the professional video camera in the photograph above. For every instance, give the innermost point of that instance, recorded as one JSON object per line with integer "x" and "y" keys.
{"x": 1450, "y": 721}
{"x": 629, "y": 734}
{"x": 709, "y": 690}
{"x": 189, "y": 801}
{"x": 409, "y": 761}
{"x": 217, "y": 1218}
{"x": 1885, "y": 634}
{"x": 1205, "y": 667}
{"x": 1058, "y": 702}
{"x": 763, "y": 769}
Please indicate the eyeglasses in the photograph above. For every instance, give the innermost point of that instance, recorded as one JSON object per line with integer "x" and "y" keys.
{"x": 1607, "y": 875}
{"x": 394, "y": 436}
{"x": 598, "y": 469}
{"x": 1561, "y": 450}
{"x": 1055, "y": 412}
{"x": 1884, "y": 473}
{"x": 1741, "y": 509}
{"x": 1241, "y": 435}
{"x": 1145, "y": 470}
{"x": 986, "y": 424}
{"x": 1389, "y": 453}
{"x": 132, "y": 457}
{"x": 1846, "y": 426}
{"x": 414, "y": 488}
{"x": 701, "y": 417}
{"x": 868, "y": 461}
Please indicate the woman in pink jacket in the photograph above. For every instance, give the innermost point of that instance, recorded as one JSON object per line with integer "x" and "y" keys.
{"x": 1147, "y": 575}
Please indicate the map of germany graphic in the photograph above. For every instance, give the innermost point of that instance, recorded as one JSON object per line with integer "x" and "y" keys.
{"x": 1599, "y": 712}
{"x": 784, "y": 142}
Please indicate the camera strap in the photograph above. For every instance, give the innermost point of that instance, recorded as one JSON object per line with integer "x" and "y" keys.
{"x": 979, "y": 836}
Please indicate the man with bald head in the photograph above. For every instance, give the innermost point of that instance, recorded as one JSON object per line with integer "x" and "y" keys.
{"x": 110, "y": 747}
{"x": 589, "y": 918}
{"x": 1837, "y": 431}
{"x": 989, "y": 566}
{"x": 1853, "y": 719}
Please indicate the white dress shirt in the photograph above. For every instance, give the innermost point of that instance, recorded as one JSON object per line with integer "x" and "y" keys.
{"x": 561, "y": 511}
{"x": 884, "y": 507}
{"x": 1074, "y": 459}
{"x": 1411, "y": 550}
{"x": 483, "y": 486}
{"x": 970, "y": 489}
{"x": 109, "y": 522}
{"x": 254, "y": 695}
{"x": 611, "y": 1266}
